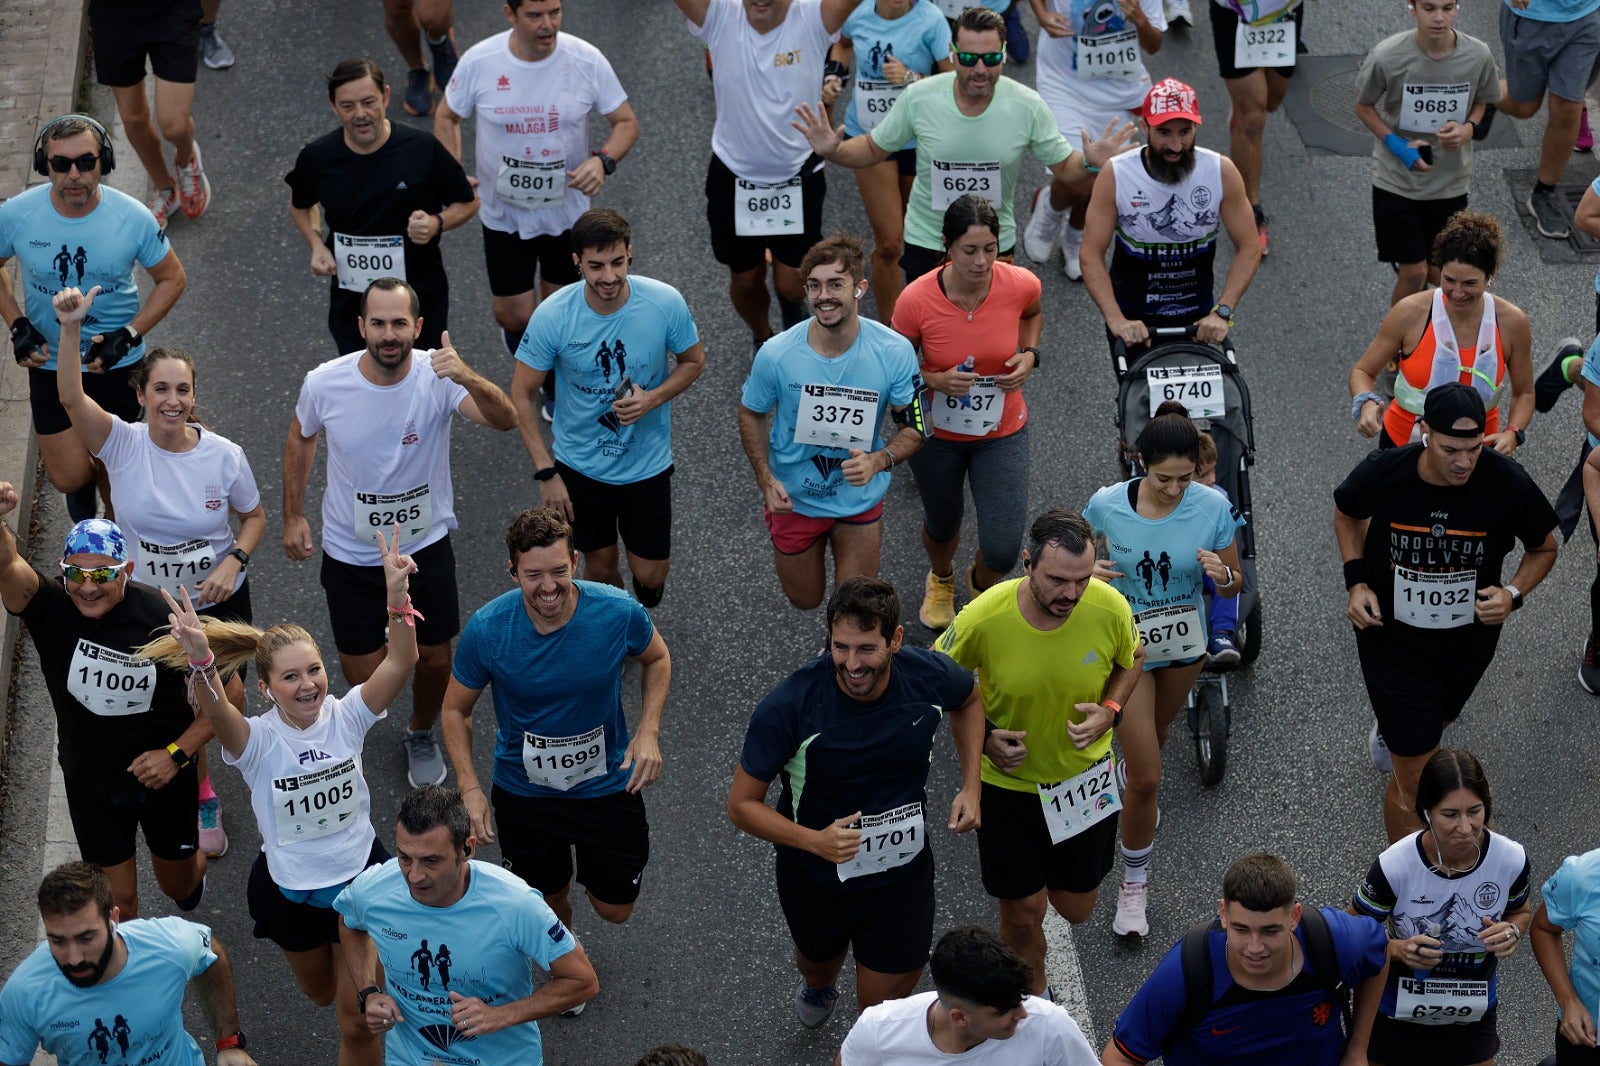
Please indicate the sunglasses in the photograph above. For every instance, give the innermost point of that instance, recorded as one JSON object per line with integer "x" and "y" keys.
{"x": 100, "y": 575}
{"x": 85, "y": 163}
{"x": 990, "y": 59}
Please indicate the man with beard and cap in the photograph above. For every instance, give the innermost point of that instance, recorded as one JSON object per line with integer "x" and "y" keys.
{"x": 1164, "y": 205}
{"x": 127, "y": 734}
{"x": 1057, "y": 655}
{"x": 852, "y": 734}
{"x": 823, "y": 466}
{"x": 386, "y": 412}
{"x": 1424, "y": 530}
{"x": 94, "y": 965}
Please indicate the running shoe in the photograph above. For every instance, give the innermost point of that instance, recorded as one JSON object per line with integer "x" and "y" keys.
{"x": 1552, "y": 380}
{"x": 214, "y": 51}
{"x": 419, "y": 92}
{"x": 1224, "y": 652}
{"x": 163, "y": 204}
{"x": 814, "y": 1005}
{"x": 1261, "y": 228}
{"x": 424, "y": 761}
{"x": 192, "y": 901}
{"x": 1178, "y": 11}
{"x": 444, "y": 58}
{"x": 972, "y": 586}
{"x": 1546, "y": 215}
{"x": 1585, "y": 140}
{"x": 1379, "y": 751}
{"x": 547, "y": 407}
{"x": 1017, "y": 44}
{"x": 194, "y": 188}
{"x": 1130, "y": 919}
{"x": 938, "y": 602}
{"x": 1071, "y": 249}
{"x": 1039, "y": 236}
{"x": 573, "y": 1012}
{"x": 213, "y": 839}
{"x": 1588, "y": 670}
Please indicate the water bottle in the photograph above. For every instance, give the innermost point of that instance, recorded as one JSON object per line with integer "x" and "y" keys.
{"x": 1436, "y": 931}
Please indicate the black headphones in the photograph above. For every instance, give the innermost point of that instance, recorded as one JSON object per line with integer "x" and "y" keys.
{"x": 108, "y": 157}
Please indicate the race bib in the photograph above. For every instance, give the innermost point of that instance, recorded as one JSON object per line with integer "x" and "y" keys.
{"x": 1434, "y": 601}
{"x": 1171, "y": 633}
{"x": 1437, "y": 1001}
{"x": 411, "y": 510}
{"x": 562, "y": 762}
{"x": 890, "y": 839}
{"x": 359, "y": 261}
{"x": 1111, "y": 55}
{"x": 166, "y": 566}
{"x": 873, "y": 101}
{"x": 531, "y": 182}
{"x": 1198, "y": 388}
{"x": 110, "y": 683}
{"x": 951, "y": 181}
{"x": 1424, "y": 108}
{"x": 768, "y": 210}
{"x": 975, "y": 414}
{"x": 1073, "y": 805}
{"x": 308, "y": 806}
{"x": 1270, "y": 45}
{"x": 834, "y": 416}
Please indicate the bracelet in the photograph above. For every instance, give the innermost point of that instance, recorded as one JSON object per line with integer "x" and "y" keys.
{"x": 1090, "y": 169}
{"x": 440, "y": 217}
{"x": 1355, "y": 573}
{"x": 474, "y": 788}
{"x": 892, "y": 459}
{"x": 912, "y": 76}
{"x": 202, "y": 666}
{"x": 1228, "y": 584}
{"x": 1114, "y": 706}
{"x": 406, "y": 613}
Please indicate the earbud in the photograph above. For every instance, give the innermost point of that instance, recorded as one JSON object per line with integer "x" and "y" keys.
{"x": 861, "y": 292}
{"x": 1426, "y": 820}
{"x": 1424, "y": 444}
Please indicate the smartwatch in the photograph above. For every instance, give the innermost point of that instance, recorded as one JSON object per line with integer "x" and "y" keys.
{"x": 241, "y": 555}
{"x": 1516, "y": 596}
{"x": 361, "y": 998}
{"x": 544, "y": 475}
{"x": 237, "y": 1040}
{"x": 607, "y": 164}
{"x": 1224, "y": 312}
{"x": 180, "y": 758}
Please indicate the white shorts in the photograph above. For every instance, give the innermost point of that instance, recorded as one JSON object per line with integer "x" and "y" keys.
{"x": 1074, "y": 116}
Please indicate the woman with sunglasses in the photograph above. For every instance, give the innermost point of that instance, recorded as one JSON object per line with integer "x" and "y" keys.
{"x": 174, "y": 486}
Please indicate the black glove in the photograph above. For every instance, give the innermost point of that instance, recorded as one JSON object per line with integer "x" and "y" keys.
{"x": 112, "y": 348}
{"x": 26, "y": 338}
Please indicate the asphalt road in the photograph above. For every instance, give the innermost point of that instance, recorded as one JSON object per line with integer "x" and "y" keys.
{"x": 706, "y": 959}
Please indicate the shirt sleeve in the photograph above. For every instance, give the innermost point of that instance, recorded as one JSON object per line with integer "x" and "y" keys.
{"x": 306, "y": 409}
{"x": 454, "y": 188}
{"x": 771, "y": 738}
{"x": 1371, "y": 83}
{"x": 18, "y": 1037}
{"x": 760, "y": 393}
{"x": 538, "y": 346}
{"x": 350, "y": 904}
{"x": 256, "y": 740}
{"x": 908, "y": 377}
{"x": 1065, "y": 1044}
{"x": 937, "y": 39}
{"x": 244, "y": 495}
{"x": 861, "y": 1044}
{"x": 121, "y": 445}
{"x": 715, "y": 12}
{"x": 1044, "y": 139}
{"x": 1522, "y": 887}
{"x": 1591, "y": 359}
{"x": 908, "y": 312}
{"x": 896, "y": 129}
{"x": 608, "y": 91}
{"x": 1375, "y": 898}
{"x": 1151, "y": 1016}
{"x": 1536, "y": 518}
{"x": 1094, "y": 512}
{"x": 1488, "y": 89}
{"x": 1354, "y": 494}
{"x": 682, "y": 333}
{"x": 190, "y": 943}
{"x": 302, "y": 182}
{"x": 537, "y": 932}
{"x": 957, "y": 682}
{"x": 641, "y": 630}
{"x": 461, "y": 94}
{"x": 1361, "y": 944}
{"x": 1128, "y": 645}
{"x": 153, "y": 245}
{"x": 1562, "y": 894}
{"x": 467, "y": 667}
{"x": 962, "y": 641}
{"x": 355, "y": 716}
{"x": 1228, "y": 522}
{"x": 8, "y": 227}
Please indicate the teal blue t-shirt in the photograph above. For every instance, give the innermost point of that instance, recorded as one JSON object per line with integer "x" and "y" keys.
{"x": 136, "y": 1016}
{"x": 1591, "y": 373}
{"x": 592, "y": 353}
{"x": 480, "y": 946}
{"x": 1556, "y": 10}
{"x": 919, "y": 39}
{"x": 1572, "y": 901}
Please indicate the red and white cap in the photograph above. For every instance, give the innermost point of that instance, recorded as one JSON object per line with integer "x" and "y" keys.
{"x": 1171, "y": 99}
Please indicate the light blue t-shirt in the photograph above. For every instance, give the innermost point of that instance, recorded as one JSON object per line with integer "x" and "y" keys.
{"x": 1157, "y": 555}
{"x": 919, "y": 39}
{"x": 592, "y": 353}
{"x": 1572, "y": 901}
{"x": 136, "y": 1016}
{"x": 1591, "y": 374}
{"x": 881, "y": 362}
{"x": 1556, "y": 10}
{"x": 98, "y": 249}
{"x": 480, "y": 946}
{"x": 555, "y": 686}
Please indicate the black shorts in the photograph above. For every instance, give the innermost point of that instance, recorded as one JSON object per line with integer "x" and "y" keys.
{"x": 236, "y": 608}
{"x": 890, "y": 927}
{"x": 1415, "y": 695}
{"x": 357, "y": 600}
{"x": 344, "y": 311}
{"x": 125, "y": 32}
{"x": 1224, "y": 32}
{"x": 1017, "y": 858}
{"x": 1406, "y": 228}
{"x": 639, "y": 512}
{"x": 290, "y": 925}
{"x": 512, "y": 261}
{"x": 1570, "y": 1054}
{"x": 916, "y": 260}
{"x": 738, "y": 253}
{"x": 906, "y": 160}
{"x": 107, "y": 821}
{"x": 610, "y": 833}
{"x": 112, "y": 390}
{"x": 1394, "y": 1043}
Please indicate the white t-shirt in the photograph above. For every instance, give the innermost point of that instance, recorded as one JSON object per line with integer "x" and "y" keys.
{"x": 536, "y": 114}
{"x": 309, "y": 796}
{"x": 760, "y": 79}
{"x": 1061, "y": 83}
{"x": 174, "y": 505}
{"x": 895, "y": 1033}
{"x": 388, "y": 443}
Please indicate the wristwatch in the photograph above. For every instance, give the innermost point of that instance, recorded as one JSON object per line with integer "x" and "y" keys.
{"x": 1224, "y": 312}
{"x": 544, "y": 475}
{"x": 241, "y": 555}
{"x": 237, "y": 1040}
{"x": 1516, "y": 595}
{"x": 608, "y": 164}
{"x": 180, "y": 758}
{"x": 1037, "y": 361}
{"x": 361, "y": 998}
{"x": 1520, "y": 433}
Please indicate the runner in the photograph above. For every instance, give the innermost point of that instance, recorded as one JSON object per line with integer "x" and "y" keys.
{"x": 1283, "y": 993}
{"x": 97, "y": 963}
{"x": 1222, "y": 619}
{"x": 302, "y": 761}
{"x": 567, "y": 775}
{"x": 980, "y": 1011}
{"x": 1057, "y": 656}
{"x": 1567, "y": 902}
{"x": 1423, "y": 94}
{"x": 975, "y": 323}
{"x": 1091, "y": 72}
{"x": 852, "y": 735}
{"x": 386, "y": 412}
{"x": 1425, "y": 329}
{"x": 1454, "y": 901}
{"x": 75, "y": 152}
{"x": 971, "y": 127}
{"x": 437, "y": 891}
{"x": 389, "y": 193}
{"x": 611, "y": 338}
{"x": 407, "y": 23}
{"x": 1165, "y": 205}
{"x": 213, "y": 49}
{"x": 1424, "y": 530}
{"x": 823, "y": 468}
{"x": 175, "y": 486}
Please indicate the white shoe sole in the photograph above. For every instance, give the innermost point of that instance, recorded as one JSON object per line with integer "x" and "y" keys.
{"x": 1038, "y": 247}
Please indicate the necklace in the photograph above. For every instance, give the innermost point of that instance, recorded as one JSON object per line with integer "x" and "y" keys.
{"x": 951, "y": 294}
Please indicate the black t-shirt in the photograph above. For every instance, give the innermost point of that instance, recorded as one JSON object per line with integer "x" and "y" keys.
{"x": 374, "y": 195}
{"x": 1426, "y": 533}
{"x": 110, "y": 707}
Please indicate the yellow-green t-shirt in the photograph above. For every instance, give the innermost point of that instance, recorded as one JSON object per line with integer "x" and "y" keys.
{"x": 1030, "y": 679}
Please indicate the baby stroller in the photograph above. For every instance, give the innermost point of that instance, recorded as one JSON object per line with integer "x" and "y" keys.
{"x": 1209, "y": 383}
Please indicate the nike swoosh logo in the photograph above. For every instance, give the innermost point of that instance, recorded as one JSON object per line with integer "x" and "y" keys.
{"x": 918, "y": 720}
{"x": 1225, "y": 1032}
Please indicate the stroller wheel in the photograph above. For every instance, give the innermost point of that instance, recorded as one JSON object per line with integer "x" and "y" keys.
{"x": 1249, "y": 636}
{"x": 1210, "y": 733}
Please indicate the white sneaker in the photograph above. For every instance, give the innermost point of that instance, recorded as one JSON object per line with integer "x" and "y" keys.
{"x": 1039, "y": 236}
{"x": 1071, "y": 245}
{"x": 1130, "y": 919}
{"x": 163, "y": 204}
{"x": 1379, "y": 751}
{"x": 1178, "y": 11}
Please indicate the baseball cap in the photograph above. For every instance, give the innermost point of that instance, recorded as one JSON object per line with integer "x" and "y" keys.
{"x": 1448, "y": 404}
{"x": 1171, "y": 99}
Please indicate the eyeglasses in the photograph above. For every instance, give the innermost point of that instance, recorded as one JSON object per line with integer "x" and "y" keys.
{"x": 989, "y": 59}
{"x": 100, "y": 575}
{"x": 85, "y": 163}
{"x": 833, "y": 287}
